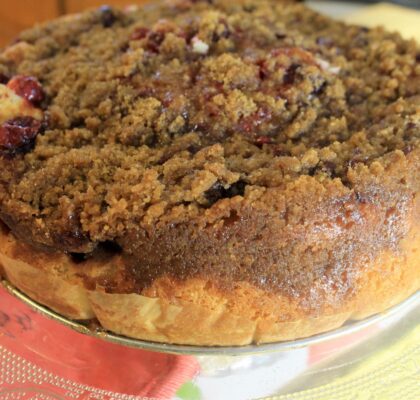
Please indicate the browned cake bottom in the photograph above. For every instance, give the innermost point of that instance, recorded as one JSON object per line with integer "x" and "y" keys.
{"x": 195, "y": 312}
{"x": 210, "y": 172}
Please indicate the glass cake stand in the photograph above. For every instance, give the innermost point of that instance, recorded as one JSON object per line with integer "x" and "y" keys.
{"x": 301, "y": 369}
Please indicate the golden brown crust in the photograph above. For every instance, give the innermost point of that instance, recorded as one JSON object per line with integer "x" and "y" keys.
{"x": 56, "y": 289}
{"x": 264, "y": 187}
{"x": 196, "y": 312}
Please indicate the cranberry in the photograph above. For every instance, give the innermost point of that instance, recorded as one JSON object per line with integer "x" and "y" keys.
{"x": 124, "y": 47}
{"x": 139, "y": 33}
{"x": 168, "y": 98}
{"x": 356, "y": 160}
{"x": 248, "y": 124}
{"x": 251, "y": 123}
{"x": 280, "y": 151}
{"x": 329, "y": 166}
{"x": 218, "y": 191}
{"x": 27, "y": 87}
{"x": 108, "y": 17}
{"x": 212, "y": 110}
{"x": 19, "y": 133}
{"x": 146, "y": 91}
{"x": 154, "y": 41}
{"x": 3, "y": 78}
{"x": 280, "y": 35}
{"x": 264, "y": 72}
{"x": 188, "y": 35}
{"x": 290, "y": 74}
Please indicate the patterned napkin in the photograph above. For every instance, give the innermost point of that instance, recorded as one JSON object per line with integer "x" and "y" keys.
{"x": 40, "y": 356}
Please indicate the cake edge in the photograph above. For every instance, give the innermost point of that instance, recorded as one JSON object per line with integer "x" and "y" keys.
{"x": 195, "y": 312}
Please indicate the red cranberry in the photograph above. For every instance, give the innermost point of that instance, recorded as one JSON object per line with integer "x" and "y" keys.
{"x": 3, "y": 78}
{"x": 18, "y": 133}
{"x": 251, "y": 123}
{"x": 27, "y": 87}
{"x": 263, "y": 69}
{"x": 248, "y": 124}
{"x": 146, "y": 91}
{"x": 139, "y": 33}
{"x": 154, "y": 41}
{"x": 189, "y": 34}
{"x": 212, "y": 110}
{"x": 329, "y": 166}
{"x": 280, "y": 35}
{"x": 290, "y": 74}
{"x": 124, "y": 47}
{"x": 168, "y": 98}
{"x": 280, "y": 151}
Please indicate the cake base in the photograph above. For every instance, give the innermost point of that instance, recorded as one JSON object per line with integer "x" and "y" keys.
{"x": 196, "y": 312}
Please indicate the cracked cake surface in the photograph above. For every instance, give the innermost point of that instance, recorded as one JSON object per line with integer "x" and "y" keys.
{"x": 250, "y": 141}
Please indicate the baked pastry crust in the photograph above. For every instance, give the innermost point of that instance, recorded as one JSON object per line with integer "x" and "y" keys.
{"x": 214, "y": 182}
{"x": 195, "y": 312}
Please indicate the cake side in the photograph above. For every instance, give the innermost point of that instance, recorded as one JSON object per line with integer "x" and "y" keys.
{"x": 251, "y": 145}
{"x": 195, "y": 311}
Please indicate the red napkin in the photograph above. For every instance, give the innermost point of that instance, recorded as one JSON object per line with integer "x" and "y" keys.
{"x": 79, "y": 359}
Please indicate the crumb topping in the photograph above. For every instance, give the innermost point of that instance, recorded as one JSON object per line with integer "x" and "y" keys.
{"x": 174, "y": 112}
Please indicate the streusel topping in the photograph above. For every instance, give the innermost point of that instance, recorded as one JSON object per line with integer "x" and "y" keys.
{"x": 156, "y": 116}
